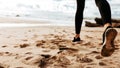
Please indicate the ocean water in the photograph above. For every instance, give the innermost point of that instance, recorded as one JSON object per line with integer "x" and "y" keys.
{"x": 58, "y": 10}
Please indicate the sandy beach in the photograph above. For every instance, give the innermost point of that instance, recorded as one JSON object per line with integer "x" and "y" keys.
{"x": 52, "y": 47}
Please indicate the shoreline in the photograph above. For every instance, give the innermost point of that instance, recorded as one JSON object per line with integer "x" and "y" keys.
{"x": 29, "y": 22}
{"x": 32, "y": 22}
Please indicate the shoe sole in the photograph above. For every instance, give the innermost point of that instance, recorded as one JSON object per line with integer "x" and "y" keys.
{"x": 110, "y": 36}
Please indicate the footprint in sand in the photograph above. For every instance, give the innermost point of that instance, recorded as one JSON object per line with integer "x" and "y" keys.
{"x": 5, "y": 54}
{"x": 83, "y": 59}
{"x": 8, "y": 53}
{"x": 24, "y": 45}
{"x": 46, "y": 56}
{"x": 86, "y": 60}
{"x": 98, "y": 57}
{"x": 63, "y": 60}
{"x": 102, "y": 64}
{"x": 28, "y": 53}
{"x": 40, "y": 43}
{"x": 4, "y": 65}
{"x": 44, "y": 61}
{"x": 67, "y": 48}
{"x": 58, "y": 60}
{"x": 4, "y": 46}
{"x": 31, "y": 60}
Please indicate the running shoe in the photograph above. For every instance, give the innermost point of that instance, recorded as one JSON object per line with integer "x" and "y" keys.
{"x": 108, "y": 42}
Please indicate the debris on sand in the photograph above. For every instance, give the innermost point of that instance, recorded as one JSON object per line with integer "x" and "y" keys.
{"x": 102, "y": 64}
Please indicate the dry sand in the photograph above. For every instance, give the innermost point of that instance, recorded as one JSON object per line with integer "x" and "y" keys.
{"x": 51, "y": 47}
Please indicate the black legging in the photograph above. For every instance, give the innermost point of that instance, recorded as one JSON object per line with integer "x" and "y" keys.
{"x": 104, "y": 9}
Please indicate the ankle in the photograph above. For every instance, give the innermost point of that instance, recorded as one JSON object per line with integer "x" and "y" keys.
{"x": 77, "y": 36}
{"x": 107, "y": 25}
